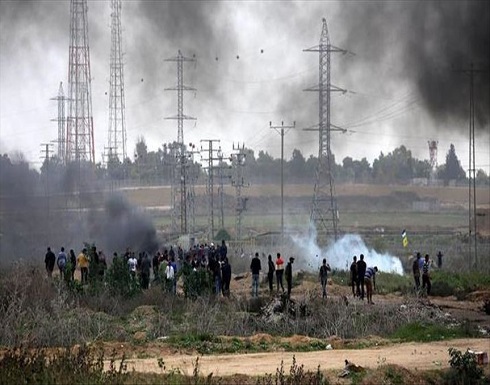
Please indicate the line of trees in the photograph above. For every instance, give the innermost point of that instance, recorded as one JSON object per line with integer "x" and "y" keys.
{"x": 398, "y": 166}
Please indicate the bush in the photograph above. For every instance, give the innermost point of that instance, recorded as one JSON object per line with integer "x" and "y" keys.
{"x": 80, "y": 366}
{"x": 119, "y": 279}
{"x": 464, "y": 369}
{"x": 196, "y": 282}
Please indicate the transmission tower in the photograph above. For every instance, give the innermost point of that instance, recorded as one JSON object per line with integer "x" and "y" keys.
{"x": 238, "y": 181}
{"x": 61, "y": 119}
{"x": 324, "y": 212}
{"x": 117, "y": 122}
{"x": 433, "y": 159}
{"x": 222, "y": 175}
{"x": 179, "y": 205}
{"x": 472, "y": 227}
{"x": 80, "y": 126}
{"x": 211, "y": 156}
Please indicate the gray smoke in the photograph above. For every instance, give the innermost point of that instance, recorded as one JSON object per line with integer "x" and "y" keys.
{"x": 121, "y": 225}
{"x": 425, "y": 42}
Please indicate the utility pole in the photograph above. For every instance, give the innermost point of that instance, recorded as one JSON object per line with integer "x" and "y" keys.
{"x": 472, "y": 228}
{"x": 222, "y": 166}
{"x": 80, "y": 125}
{"x": 179, "y": 206}
{"x": 282, "y": 130}
{"x": 117, "y": 120}
{"x": 324, "y": 212}
{"x": 192, "y": 173}
{"x": 47, "y": 151}
{"x": 238, "y": 181}
{"x": 211, "y": 157}
{"x": 61, "y": 120}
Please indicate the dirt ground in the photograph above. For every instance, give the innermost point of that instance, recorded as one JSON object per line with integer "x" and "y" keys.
{"x": 419, "y": 356}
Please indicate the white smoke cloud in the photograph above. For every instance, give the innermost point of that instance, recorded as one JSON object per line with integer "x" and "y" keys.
{"x": 339, "y": 254}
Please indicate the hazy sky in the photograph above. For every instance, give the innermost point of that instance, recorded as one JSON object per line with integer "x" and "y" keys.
{"x": 251, "y": 69}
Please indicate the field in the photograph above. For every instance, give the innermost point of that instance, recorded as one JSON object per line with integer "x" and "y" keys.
{"x": 112, "y": 335}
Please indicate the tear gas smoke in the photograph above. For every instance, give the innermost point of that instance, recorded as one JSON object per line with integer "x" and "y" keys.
{"x": 339, "y": 254}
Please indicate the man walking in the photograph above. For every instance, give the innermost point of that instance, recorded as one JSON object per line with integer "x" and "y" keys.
{"x": 83, "y": 262}
{"x": 61, "y": 262}
{"x": 255, "y": 267}
{"x": 145, "y": 271}
{"x": 49, "y": 260}
{"x": 289, "y": 275}
{"x": 324, "y": 269}
{"x": 361, "y": 271}
{"x": 226, "y": 277}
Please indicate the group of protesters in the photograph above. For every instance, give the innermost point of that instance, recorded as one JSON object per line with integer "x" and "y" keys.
{"x": 422, "y": 267}
{"x": 362, "y": 279}
{"x": 164, "y": 264}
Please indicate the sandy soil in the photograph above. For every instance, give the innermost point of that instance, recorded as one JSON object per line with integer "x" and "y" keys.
{"x": 412, "y": 355}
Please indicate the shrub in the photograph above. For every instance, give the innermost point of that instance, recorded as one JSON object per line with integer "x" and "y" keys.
{"x": 119, "y": 279}
{"x": 464, "y": 369}
{"x": 77, "y": 366}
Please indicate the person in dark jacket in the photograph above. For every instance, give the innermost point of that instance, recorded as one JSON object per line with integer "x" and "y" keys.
{"x": 226, "y": 277}
{"x": 361, "y": 271}
{"x": 49, "y": 261}
{"x": 324, "y": 269}
{"x": 73, "y": 262}
{"x": 353, "y": 277}
{"x": 270, "y": 273}
{"x": 289, "y": 275}
{"x": 145, "y": 270}
{"x": 255, "y": 267}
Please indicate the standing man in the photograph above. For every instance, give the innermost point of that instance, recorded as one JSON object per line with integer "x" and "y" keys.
{"x": 439, "y": 259}
{"x": 289, "y": 275}
{"x": 426, "y": 275}
{"x": 49, "y": 260}
{"x": 226, "y": 277}
{"x": 61, "y": 262}
{"x": 279, "y": 271}
{"x": 416, "y": 272}
{"x": 370, "y": 281}
{"x": 73, "y": 262}
{"x": 132, "y": 265}
{"x": 361, "y": 271}
{"x": 324, "y": 269}
{"x": 353, "y": 277}
{"x": 145, "y": 270}
{"x": 83, "y": 262}
{"x": 270, "y": 273}
{"x": 255, "y": 267}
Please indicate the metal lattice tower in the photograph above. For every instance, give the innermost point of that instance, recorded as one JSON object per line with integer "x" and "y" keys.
{"x": 117, "y": 121}
{"x": 433, "y": 159}
{"x": 238, "y": 181}
{"x": 324, "y": 212}
{"x": 192, "y": 172}
{"x": 61, "y": 120}
{"x": 211, "y": 157}
{"x": 80, "y": 125}
{"x": 179, "y": 205}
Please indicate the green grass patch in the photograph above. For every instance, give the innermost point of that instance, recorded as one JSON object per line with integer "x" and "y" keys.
{"x": 445, "y": 283}
{"x": 420, "y": 332}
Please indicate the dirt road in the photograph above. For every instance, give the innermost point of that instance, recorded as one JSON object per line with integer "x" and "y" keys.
{"x": 411, "y": 355}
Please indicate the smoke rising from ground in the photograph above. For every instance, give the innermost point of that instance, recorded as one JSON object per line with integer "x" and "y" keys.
{"x": 124, "y": 225}
{"x": 339, "y": 254}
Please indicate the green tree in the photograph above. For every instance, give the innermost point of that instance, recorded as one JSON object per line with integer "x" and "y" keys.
{"x": 453, "y": 169}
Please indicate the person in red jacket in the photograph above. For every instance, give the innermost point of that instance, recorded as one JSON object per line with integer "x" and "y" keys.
{"x": 279, "y": 271}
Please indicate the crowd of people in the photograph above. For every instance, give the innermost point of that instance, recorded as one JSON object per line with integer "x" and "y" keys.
{"x": 166, "y": 265}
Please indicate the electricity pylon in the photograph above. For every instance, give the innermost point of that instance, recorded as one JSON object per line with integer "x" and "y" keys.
{"x": 80, "y": 125}
{"x": 61, "y": 120}
{"x": 211, "y": 156}
{"x": 324, "y": 211}
{"x": 117, "y": 121}
{"x": 238, "y": 181}
{"x": 179, "y": 205}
